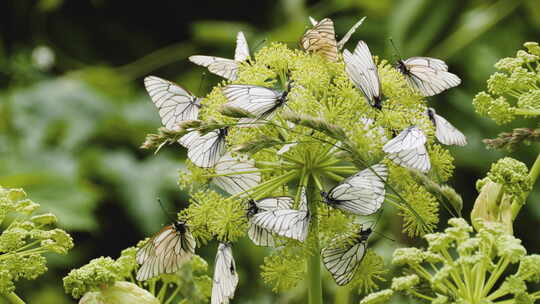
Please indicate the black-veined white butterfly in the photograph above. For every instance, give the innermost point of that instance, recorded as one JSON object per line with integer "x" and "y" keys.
{"x": 261, "y": 236}
{"x": 288, "y": 222}
{"x": 321, "y": 39}
{"x": 165, "y": 251}
{"x": 362, "y": 193}
{"x": 261, "y": 102}
{"x": 347, "y": 36}
{"x": 408, "y": 149}
{"x": 428, "y": 75}
{"x": 205, "y": 150}
{"x": 363, "y": 72}
{"x": 344, "y": 256}
{"x": 445, "y": 132}
{"x": 226, "y": 68}
{"x": 236, "y": 175}
{"x": 225, "y": 276}
{"x": 175, "y": 104}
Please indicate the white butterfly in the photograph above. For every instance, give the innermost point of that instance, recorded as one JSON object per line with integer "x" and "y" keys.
{"x": 408, "y": 149}
{"x": 347, "y": 36}
{"x": 206, "y": 150}
{"x": 429, "y": 75}
{"x": 445, "y": 132}
{"x": 236, "y": 175}
{"x": 225, "y": 276}
{"x": 226, "y": 68}
{"x": 165, "y": 251}
{"x": 175, "y": 104}
{"x": 288, "y": 222}
{"x": 363, "y": 72}
{"x": 362, "y": 193}
{"x": 342, "y": 259}
{"x": 261, "y": 236}
{"x": 261, "y": 102}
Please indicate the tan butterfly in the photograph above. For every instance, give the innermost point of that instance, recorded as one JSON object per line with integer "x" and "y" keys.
{"x": 322, "y": 38}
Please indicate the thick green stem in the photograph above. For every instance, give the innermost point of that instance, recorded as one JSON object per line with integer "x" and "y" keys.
{"x": 13, "y": 298}
{"x": 314, "y": 261}
{"x": 533, "y": 175}
{"x": 343, "y": 295}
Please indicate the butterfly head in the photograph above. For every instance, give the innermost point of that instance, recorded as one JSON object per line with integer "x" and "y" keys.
{"x": 252, "y": 208}
{"x": 180, "y": 226}
{"x": 402, "y": 67}
{"x": 431, "y": 113}
{"x": 364, "y": 234}
{"x": 223, "y": 132}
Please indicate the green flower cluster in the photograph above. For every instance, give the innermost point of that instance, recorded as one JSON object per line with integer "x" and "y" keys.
{"x": 25, "y": 239}
{"x": 515, "y": 89}
{"x": 460, "y": 266}
{"x": 113, "y": 281}
{"x": 336, "y": 133}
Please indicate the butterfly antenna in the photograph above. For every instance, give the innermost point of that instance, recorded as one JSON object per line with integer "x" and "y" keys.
{"x": 384, "y": 236}
{"x": 260, "y": 43}
{"x": 395, "y": 48}
{"x": 199, "y": 91}
{"x": 167, "y": 213}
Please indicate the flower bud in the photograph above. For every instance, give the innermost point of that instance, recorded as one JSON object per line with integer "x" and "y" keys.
{"x": 120, "y": 293}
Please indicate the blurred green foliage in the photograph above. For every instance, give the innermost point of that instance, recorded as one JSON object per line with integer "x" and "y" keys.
{"x": 71, "y": 124}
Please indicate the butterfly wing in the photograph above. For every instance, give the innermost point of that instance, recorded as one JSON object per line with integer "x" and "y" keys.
{"x": 242, "y": 50}
{"x": 407, "y": 139}
{"x": 363, "y": 72}
{"x": 164, "y": 253}
{"x": 225, "y": 276}
{"x": 289, "y": 223}
{"x": 343, "y": 261}
{"x": 259, "y": 235}
{"x": 322, "y": 39}
{"x": 226, "y": 68}
{"x": 175, "y": 104}
{"x": 429, "y": 75}
{"x": 348, "y": 35}
{"x": 256, "y": 100}
{"x": 236, "y": 174}
{"x": 362, "y": 193}
{"x": 445, "y": 132}
{"x": 415, "y": 158}
{"x": 205, "y": 151}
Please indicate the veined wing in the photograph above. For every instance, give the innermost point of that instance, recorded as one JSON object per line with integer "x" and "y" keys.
{"x": 407, "y": 139}
{"x": 322, "y": 39}
{"x": 363, "y": 72}
{"x": 415, "y": 158}
{"x": 226, "y": 68}
{"x": 256, "y": 100}
{"x": 236, "y": 175}
{"x": 205, "y": 151}
{"x": 175, "y": 104}
{"x": 445, "y": 132}
{"x": 225, "y": 276}
{"x": 242, "y": 50}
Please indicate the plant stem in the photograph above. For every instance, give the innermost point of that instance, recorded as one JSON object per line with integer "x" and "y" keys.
{"x": 13, "y": 298}
{"x": 314, "y": 261}
{"x": 343, "y": 295}
{"x": 533, "y": 175}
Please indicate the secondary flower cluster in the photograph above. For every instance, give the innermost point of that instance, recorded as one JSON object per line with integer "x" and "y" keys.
{"x": 515, "y": 89}
{"x": 26, "y": 238}
{"x": 104, "y": 280}
{"x": 462, "y": 267}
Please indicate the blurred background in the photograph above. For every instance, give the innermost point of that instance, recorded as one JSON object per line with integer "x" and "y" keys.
{"x": 73, "y": 110}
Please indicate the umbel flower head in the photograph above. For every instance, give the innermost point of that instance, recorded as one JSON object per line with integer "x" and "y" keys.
{"x": 26, "y": 239}
{"x": 460, "y": 266}
{"x": 273, "y": 147}
{"x": 513, "y": 90}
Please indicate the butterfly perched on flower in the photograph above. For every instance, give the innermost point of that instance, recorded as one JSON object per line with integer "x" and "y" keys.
{"x": 258, "y": 101}
{"x": 408, "y": 149}
{"x": 345, "y": 255}
{"x": 362, "y": 193}
{"x": 428, "y": 75}
{"x": 226, "y": 68}
{"x": 259, "y": 235}
{"x": 362, "y": 71}
{"x": 236, "y": 174}
{"x": 205, "y": 150}
{"x": 165, "y": 251}
{"x": 225, "y": 276}
{"x": 445, "y": 132}
{"x": 287, "y": 222}
{"x": 175, "y": 104}
{"x": 322, "y": 38}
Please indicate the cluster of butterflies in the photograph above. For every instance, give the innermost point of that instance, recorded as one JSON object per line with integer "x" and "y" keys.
{"x": 360, "y": 194}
